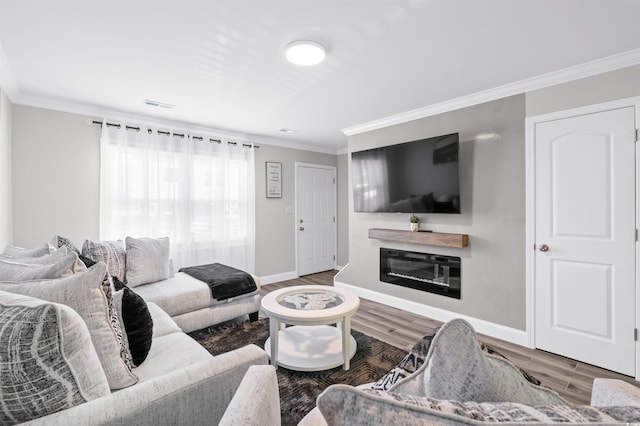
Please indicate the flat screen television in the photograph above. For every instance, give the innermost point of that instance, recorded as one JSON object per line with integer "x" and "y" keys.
{"x": 420, "y": 176}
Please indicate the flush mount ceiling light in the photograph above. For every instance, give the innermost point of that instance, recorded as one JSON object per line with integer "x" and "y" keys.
{"x": 305, "y": 52}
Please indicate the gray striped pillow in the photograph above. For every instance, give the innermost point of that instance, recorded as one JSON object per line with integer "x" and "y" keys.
{"x": 47, "y": 361}
{"x": 110, "y": 252}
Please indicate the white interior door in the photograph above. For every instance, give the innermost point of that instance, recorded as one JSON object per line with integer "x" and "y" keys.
{"x": 585, "y": 238}
{"x": 316, "y": 218}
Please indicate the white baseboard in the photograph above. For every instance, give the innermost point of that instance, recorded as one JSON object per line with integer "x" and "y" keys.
{"x": 338, "y": 268}
{"x": 276, "y": 278}
{"x": 498, "y": 331}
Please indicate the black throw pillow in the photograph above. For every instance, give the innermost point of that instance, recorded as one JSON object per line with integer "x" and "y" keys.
{"x": 137, "y": 322}
{"x": 87, "y": 262}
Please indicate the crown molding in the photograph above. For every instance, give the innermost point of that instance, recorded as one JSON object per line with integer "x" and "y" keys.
{"x": 587, "y": 69}
{"x": 291, "y": 144}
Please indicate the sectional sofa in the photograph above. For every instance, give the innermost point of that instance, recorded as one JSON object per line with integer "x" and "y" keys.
{"x": 67, "y": 355}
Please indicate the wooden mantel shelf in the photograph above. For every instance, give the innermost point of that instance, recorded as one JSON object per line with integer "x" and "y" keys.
{"x": 430, "y": 238}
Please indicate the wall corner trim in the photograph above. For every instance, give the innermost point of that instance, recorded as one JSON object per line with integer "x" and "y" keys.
{"x": 498, "y": 331}
{"x": 587, "y": 69}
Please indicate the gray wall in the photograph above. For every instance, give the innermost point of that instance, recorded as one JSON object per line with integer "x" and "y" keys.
{"x": 619, "y": 84}
{"x": 275, "y": 217}
{"x": 493, "y": 197}
{"x": 343, "y": 209}
{"x": 6, "y": 225}
{"x": 493, "y": 204}
{"x": 56, "y": 171}
{"x": 56, "y": 160}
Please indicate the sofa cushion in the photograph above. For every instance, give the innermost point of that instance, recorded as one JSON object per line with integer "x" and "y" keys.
{"x": 342, "y": 404}
{"x": 40, "y": 260}
{"x": 171, "y": 353}
{"x": 110, "y": 252}
{"x": 90, "y": 294}
{"x": 162, "y": 322}
{"x": 47, "y": 361}
{"x": 178, "y": 295}
{"x": 16, "y": 271}
{"x": 27, "y": 252}
{"x": 456, "y": 368}
{"x": 136, "y": 321}
{"x": 147, "y": 260}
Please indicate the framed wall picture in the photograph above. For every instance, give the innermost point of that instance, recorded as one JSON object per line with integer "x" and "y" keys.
{"x": 274, "y": 179}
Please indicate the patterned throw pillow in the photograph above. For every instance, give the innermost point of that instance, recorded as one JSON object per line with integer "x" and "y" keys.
{"x": 47, "y": 361}
{"x": 457, "y": 369}
{"x": 408, "y": 365}
{"x": 59, "y": 241}
{"x": 416, "y": 357}
{"x": 89, "y": 293}
{"x": 147, "y": 260}
{"x": 110, "y": 252}
{"x": 342, "y": 404}
{"x": 136, "y": 321}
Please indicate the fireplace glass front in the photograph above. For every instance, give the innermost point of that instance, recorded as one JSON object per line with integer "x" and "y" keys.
{"x": 433, "y": 273}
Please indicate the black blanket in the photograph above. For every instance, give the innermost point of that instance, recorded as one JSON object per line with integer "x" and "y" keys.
{"x": 224, "y": 281}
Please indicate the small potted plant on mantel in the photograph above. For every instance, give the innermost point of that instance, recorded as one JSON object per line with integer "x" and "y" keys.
{"x": 415, "y": 222}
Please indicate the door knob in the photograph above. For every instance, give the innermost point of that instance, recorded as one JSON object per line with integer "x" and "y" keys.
{"x": 544, "y": 248}
{"x": 302, "y": 228}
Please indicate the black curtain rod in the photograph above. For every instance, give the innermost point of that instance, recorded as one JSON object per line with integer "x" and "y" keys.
{"x": 181, "y": 135}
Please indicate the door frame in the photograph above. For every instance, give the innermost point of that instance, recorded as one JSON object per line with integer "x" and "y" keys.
{"x": 530, "y": 179}
{"x": 296, "y": 223}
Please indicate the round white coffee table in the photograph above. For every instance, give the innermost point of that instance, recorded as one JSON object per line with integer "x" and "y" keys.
{"x": 310, "y": 344}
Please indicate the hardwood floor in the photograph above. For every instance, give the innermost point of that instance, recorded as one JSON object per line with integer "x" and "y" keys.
{"x": 571, "y": 379}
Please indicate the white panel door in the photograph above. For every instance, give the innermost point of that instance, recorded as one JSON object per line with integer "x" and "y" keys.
{"x": 585, "y": 238}
{"x": 316, "y": 227}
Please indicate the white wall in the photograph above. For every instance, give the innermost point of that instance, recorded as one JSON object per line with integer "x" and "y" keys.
{"x": 56, "y": 160}
{"x": 6, "y": 225}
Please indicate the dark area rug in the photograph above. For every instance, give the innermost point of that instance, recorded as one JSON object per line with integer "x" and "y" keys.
{"x": 298, "y": 389}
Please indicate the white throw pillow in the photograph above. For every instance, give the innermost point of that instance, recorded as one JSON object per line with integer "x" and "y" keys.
{"x": 25, "y": 252}
{"x": 48, "y": 361}
{"x": 16, "y": 271}
{"x": 147, "y": 260}
{"x": 47, "y": 259}
{"x": 89, "y": 293}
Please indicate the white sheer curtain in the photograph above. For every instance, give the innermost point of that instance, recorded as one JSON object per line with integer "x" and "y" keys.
{"x": 198, "y": 192}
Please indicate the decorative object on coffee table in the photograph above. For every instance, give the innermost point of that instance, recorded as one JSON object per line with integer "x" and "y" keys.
{"x": 311, "y": 344}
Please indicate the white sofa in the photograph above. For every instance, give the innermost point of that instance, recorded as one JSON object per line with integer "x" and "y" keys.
{"x": 180, "y": 383}
{"x": 64, "y": 354}
{"x": 144, "y": 264}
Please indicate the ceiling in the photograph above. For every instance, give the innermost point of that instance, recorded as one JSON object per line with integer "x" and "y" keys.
{"x": 221, "y": 62}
